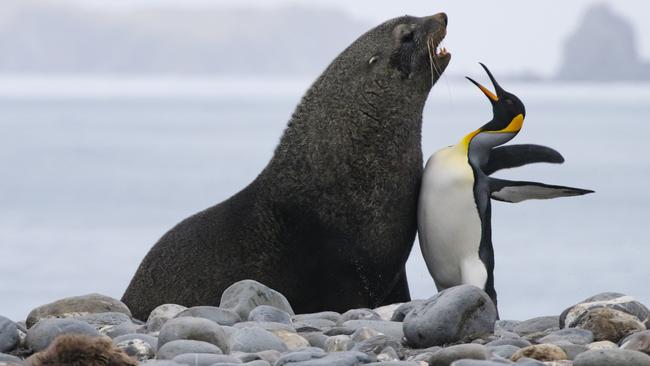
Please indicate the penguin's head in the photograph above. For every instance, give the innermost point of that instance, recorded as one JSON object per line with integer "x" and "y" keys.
{"x": 508, "y": 115}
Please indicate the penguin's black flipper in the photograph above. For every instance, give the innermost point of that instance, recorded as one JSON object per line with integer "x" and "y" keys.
{"x": 513, "y": 156}
{"x": 517, "y": 191}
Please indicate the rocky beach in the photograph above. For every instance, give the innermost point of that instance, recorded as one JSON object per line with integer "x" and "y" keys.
{"x": 256, "y": 326}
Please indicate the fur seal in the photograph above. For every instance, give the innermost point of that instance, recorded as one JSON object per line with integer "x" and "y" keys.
{"x": 331, "y": 219}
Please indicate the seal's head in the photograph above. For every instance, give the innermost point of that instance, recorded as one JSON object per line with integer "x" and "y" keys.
{"x": 407, "y": 48}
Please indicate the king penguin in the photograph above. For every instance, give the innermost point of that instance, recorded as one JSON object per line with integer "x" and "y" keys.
{"x": 454, "y": 210}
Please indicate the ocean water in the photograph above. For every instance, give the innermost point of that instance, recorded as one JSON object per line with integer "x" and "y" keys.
{"x": 94, "y": 172}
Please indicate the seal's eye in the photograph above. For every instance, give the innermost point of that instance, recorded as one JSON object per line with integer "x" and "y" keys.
{"x": 373, "y": 59}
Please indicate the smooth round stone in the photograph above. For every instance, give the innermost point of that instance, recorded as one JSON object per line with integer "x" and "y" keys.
{"x": 339, "y": 343}
{"x": 376, "y": 345}
{"x": 76, "y": 306}
{"x": 255, "y": 363}
{"x": 541, "y": 352}
{"x": 517, "y": 342}
{"x": 612, "y": 357}
{"x": 402, "y": 311}
{"x": 386, "y": 312}
{"x": 105, "y": 322}
{"x": 364, "y": 333}
{"x": 315, "y": 339}
{"x": 266, "y": 313}
{"x": 10, "y": 359}
{"x": 388, "y": 354}
{"x": 271, "y": 327}
{"x": 359, "y": 314}
{"x": 612, "y": 300}
{"x": 161, "y": 314}
{"x": 388, "y": 328}
{"x": 602, "y": 345}
{"x": 393, "y": 363}
{"x": 160, "y": 363}
{"x": 246, "y": 295}
{"x": 292, "y": 340}
{"x": 572, "y": 335}
{"x": 217, "y": 315}
{"x": 197, "y": 329}
{"x": 572, "y": 350}
{"x": 43, "y": 333}
{"x": 447, "y": 355}
{"x": 122, "y": 329}
{"x": 332, "y": 316}
{"x": 506, "y": 351}
{"x": 299, "y": 356}
{"x": 137, "y": 348}
{"x": 317, "y": 323}
{"x": 479, "y": 363}
{"x": 349, "y": 358}
{"x": 455, "y": 314}
{"x": 174, "y": 348}
{"x": 271, "y": 356}
{"x": 8, "y": 335}
{"x": 254, "y": 339}
{"x": 205, "y": 359}
{"x": 537, "y": 325}
{"x": 505, "y": 325}
{"x": 637, "y": 342}
{"x": 608, "y": 324}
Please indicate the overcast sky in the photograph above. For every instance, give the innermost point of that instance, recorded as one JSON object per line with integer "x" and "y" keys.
{"x": 512, "y": 36}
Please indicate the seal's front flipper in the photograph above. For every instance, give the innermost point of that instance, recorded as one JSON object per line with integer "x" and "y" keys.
{"x": 516, "y": 191}
{"x": 513, "y": 156}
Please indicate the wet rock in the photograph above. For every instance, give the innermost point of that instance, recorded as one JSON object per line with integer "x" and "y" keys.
{"x": 611, "y": 300}
{"x": 205, "y": 359}
{"x": 161, "y": 314}
{"x": 359, "y": 314}
{"x": 458, "y": 313}
{"x": 77, "y": 306}
{"x": 254, "y": 339}
{"x": 402, "y": 311}
{"x": 608, "y": 324}
{"x": 541, "y": 352}
{"x": 572, "y": 335}
{"x": 266, "y": 313}
{"x": 217, "y": 315}
{"x": 447, "y": 355}
{"x": 8, "y": 335}
{"x": 539, "y": 325}
{"x": 246, "y": 295}
{"x": 612, "y": 357}
{"x": 637, "y": 342}
{"x": 45, "y": 331}
{"x": 197, "y": 329}
{"x": 172, "y": 349}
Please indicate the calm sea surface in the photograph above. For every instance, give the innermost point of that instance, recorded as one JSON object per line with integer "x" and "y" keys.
{"x": 91, "y": 176}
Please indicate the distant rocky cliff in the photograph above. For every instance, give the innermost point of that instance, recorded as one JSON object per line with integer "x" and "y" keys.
{"x": 603, "y": 48}
{"x": 39, "y": 36}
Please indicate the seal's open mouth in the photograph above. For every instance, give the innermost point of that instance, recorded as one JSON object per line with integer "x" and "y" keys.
{"x": 438, "y": 56}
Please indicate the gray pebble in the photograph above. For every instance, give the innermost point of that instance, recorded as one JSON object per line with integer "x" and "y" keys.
{"x": 480, "y": 363}
{"x": 266, "y": 313}
{"x": 10, "y": 359}
{"x": 327, "y": 315}
{"x": 402, "y": 311}
{"x": 611, "y": 300}
{"x": 161, "y": 314}
{"x": 639, "y": 341}
{"x": 8, "y": 335}
{"x": 388, "y": 328}
{"x": 217, "y": 315}
{"x": 612, "y": 357}
{"x": 153, "y": 341}
{"x": 517, "y": 342}
{"x": 339, "y": 343}
{"x": 359, "y": 314}
{"x": 537, "y": 325}
{"x": 254, "y": 339}
{"x": 159, "y": 363}
{"x": 364, "y": 333}
{"x": 315, "y": 339}
{"x": 246, "y": 295}
{"x": 316, "y": 323}
{"x": 505, "y": 351}
{"x": 572, "y": 350}
{"x": 197, "y": 329}
{"x": 393, "y": 363}
{"x": 386, "y": 312}
{"x": 43, "y": 333}
{"x": 572, "y": 335}
{"x": 298, "y": 356}
{"x": 172, "y": 349}
{"x": 104, "y": 322}
{"x": 447, "y": 355}
{"x": 76, "y": 306}
{"x": 455, "y": 314}
{"x": 204, "y": 359}
{"x": 271, "y": 356}
{"x": 349, "y": 358}
{"x": 376, "y": 344}
{"x": 122, "y": 329}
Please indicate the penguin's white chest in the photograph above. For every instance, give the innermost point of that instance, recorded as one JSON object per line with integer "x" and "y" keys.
{"x": 449, "y": 225}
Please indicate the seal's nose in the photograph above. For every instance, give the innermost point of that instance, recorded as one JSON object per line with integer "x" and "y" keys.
{"x": 442, "y": 18}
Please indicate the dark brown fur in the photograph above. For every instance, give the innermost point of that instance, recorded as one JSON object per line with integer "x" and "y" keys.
{"x": 81, "y": 350}
{"x": 331, "y": 220}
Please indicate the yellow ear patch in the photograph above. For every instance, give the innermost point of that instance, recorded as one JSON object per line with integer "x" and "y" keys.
{"x": 515, "y": 125}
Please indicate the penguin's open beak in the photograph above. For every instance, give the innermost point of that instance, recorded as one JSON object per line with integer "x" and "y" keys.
{"x": 492, "y": 96}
